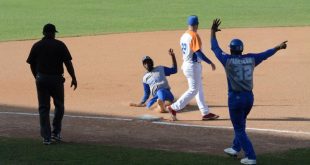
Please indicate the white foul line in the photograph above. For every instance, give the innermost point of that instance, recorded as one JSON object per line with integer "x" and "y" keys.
{"x": 166, "y": 123}
{"x": 227, "y": 127}
{"x": 71, "y": 116}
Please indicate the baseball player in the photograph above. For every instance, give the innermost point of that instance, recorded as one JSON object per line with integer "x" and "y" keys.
{"x": 192, "y": 57}
{"x": 155, "y": 82}
{"x": 239, "y": 70}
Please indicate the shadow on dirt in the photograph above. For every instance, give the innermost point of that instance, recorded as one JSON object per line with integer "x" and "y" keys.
{"x": 142, "y": 134}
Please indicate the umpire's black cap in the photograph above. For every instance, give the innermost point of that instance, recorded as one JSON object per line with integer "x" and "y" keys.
{"x": 49, "y": 28}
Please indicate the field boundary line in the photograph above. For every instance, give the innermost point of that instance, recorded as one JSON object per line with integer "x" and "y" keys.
{"x": 228, "y": 127}
{"x": 70, "y": 116}
{"x": 166, "y": 123}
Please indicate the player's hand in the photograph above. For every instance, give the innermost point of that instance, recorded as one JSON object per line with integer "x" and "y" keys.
{"x": 136, "y": 105}
{"x": 215, "y": 25}
{"x": 213, "y": 66}
{"x": 283, "y": 45}
{"x": 74, "y": 83}
{"x": 171, "y": 53}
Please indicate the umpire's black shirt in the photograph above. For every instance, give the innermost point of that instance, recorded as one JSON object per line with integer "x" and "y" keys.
{"x": 48, "y": 56}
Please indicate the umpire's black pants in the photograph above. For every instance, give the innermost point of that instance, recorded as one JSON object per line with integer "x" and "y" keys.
{"x": 50, "y": 86}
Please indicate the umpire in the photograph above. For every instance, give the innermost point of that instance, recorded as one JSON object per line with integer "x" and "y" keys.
{"x": 46, "y": 60}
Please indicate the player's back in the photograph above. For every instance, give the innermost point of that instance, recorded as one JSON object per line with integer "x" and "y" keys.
{"x": 239, "y": 70}
{"x": 49, "y": 56}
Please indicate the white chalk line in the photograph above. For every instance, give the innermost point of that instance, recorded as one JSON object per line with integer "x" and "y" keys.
{"x": 166, "y": 123}
{"x": 227, "y": 127}
{"x": 71, "y": 116}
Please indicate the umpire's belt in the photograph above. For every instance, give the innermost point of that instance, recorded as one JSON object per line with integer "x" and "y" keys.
{"x": 42, "y": 75}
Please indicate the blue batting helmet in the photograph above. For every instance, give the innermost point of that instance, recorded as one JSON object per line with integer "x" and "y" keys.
{"x": 236, "y": 45}
{"x": 192, "y": 20}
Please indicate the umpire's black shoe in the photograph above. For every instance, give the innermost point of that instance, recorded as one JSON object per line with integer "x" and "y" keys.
{"x": 47, "y": 141}
{"x": 56, "y": 137}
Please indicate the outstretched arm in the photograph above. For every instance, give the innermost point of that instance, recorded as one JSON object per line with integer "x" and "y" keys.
{"x": 146, "y": 95}
{"x": 264, "y": 55}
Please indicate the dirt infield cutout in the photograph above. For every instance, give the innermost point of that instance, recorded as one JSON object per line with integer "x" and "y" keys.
{"x": 109, "y": 73}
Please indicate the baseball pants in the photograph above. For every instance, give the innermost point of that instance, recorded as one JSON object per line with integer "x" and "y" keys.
{"x": 161, "y": 94}
{"x": 192, "y": 72}
{"x": 50, "y": 86}
{"x": 240, "y": 105}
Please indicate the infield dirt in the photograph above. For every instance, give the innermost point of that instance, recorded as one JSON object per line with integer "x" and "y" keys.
{"x": 109, "y": 74}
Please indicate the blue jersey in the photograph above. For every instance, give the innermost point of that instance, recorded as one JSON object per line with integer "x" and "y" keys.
{"x": 239, "y": 68}
{"x": 155, "y": 80}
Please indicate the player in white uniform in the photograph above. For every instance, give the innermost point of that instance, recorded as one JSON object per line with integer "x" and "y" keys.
{"x": 192, "y": 56}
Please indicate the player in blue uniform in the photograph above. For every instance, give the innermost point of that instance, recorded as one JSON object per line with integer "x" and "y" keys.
{"x": 155, "y": 83}
{"x": 239, "y": 71}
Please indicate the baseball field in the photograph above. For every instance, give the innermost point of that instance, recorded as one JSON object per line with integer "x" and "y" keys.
{"x": 107, "y": 40}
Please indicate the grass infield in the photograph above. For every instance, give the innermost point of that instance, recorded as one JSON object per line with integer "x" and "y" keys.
{"x": 29, "y": 151}
{"x": 23, "y": 19}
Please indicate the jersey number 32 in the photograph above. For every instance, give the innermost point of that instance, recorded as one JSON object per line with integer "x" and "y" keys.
{"x": 244, "y": 72}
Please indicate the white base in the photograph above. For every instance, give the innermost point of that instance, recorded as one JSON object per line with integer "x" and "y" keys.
{"x": 147, "y": 117}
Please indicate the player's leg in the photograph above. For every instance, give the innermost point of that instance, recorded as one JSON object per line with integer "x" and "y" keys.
{"x": 152, "y": 104}
{"x": 164, "y": 95}
{"x": 192, "y": 90}
{"x": 200, "y": 99}
{"x": 234, "y": 112}
{"x": 58, "y": 98}
{"x": 248, "y": 104}
{"x": 161, "y": 101}
{"x": 237, "y": 113}
{"x": 44, "y": 108}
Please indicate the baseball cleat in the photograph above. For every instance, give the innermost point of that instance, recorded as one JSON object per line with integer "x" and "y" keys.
{"x": 210, "y": 116}
{"x": 47, "y": 141}
{"x": 231, "y": 152}
{"x": 56, "y": 137}
{"x": 248, "y": 161}
{"x": 173, "y": 113}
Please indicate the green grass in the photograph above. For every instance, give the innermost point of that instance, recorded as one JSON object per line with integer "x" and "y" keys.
{"x": 27, "y": 151}
{"x": 23, "y": 19}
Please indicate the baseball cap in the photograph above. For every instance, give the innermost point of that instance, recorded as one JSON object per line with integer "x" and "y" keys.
{"x": 192, "y": 20}
{"x": 146, "y": 58}
{"x": 49, "y": 28}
